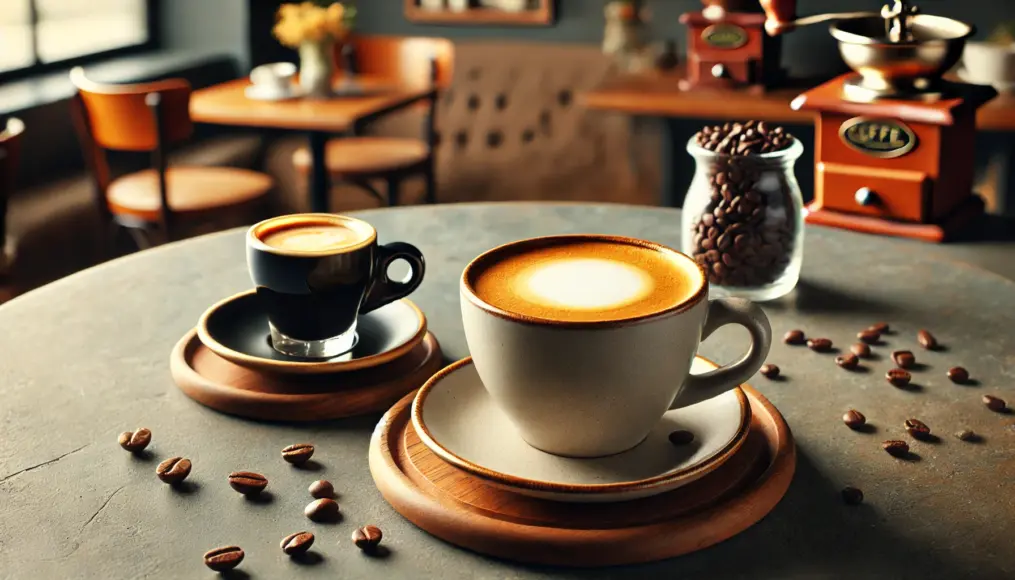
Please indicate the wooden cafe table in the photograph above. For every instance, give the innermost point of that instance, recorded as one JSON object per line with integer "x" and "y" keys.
{"x": 320, "y": 119}
{"x": 86, "y": 358}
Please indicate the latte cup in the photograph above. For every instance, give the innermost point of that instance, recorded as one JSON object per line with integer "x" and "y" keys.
{"x": 316, "y": 273}
{"x": 585, "y": 341}
{"x": 274, "y": 78}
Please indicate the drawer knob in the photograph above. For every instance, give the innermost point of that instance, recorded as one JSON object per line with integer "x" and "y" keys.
{"x": 865, "y": 196}
{"x": 719, "y": 71}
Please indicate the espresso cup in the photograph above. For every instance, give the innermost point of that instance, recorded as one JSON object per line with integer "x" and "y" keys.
{"x": 585, "y": 341}
{"x": 315, "y": 273}
{"x": 275, "y": 78}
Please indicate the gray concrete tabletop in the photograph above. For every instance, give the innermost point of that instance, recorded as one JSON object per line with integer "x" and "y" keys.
{"x": 86, "y": 358}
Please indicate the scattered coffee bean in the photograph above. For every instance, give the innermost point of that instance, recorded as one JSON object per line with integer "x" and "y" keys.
{"x": 869, "y": 336}
{"x": 861, "y": 349}
{"x": 321, "y": 489}
{"x": 904, "y": 359}
{"x": 794, "y": 337}
{"x": 898, "y": 377}
{"x": 847, "y": 361}
{"x": 880, "y": 328}
{"x": 224, "y": 558}
{"x": 322, "y": 510}
{"x": 958, "y": 375}
{"x": 247, "y": 482}
{"x": 917, "y": 429}
{"x": 965, "y": 435}
{"x": 896, "y": 448}
{"x": 994, "y": 404}
{"x": 852, "y": 496}
{"x": 681, "y": 437}
{"x": 173, "y": 470}
{"x": 819, "y": 344}
{"x": 298, "y": 454}
{"x": 298, "y": 543}
{"x": 367, "y": 538}
{"x": 926, "y": 340}
{"x": 854, "y": 419}
{"x": 770, "y": 371}
{"x": 135, "y": 441}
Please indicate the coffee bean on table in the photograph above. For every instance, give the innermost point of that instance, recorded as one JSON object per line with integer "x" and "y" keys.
{"x": 965, "y": 435}
{"x": 847, "y": 361}
{"x": 298, "y": 454}
{"x": 819, "y": 344}
{"x": 367, "y": 538}
{"x": 135, "y": 441}
{"x": 297, "y": 544}
{"x": 994, "y": 404}
{"x": 896, "y": 448}
{"x": 224, "y": 558}
{"x": 681, "y": 437}
{"x": 917, "y": 428}
{"x": 926, "y": 340}
{"x": 880, "y": 327}
{"x": 173, "y": 470}
{"x": 794, "y": 337}
{"x": 854, "y": 419}
{"x": 958, "y": 375}
{"x": 322, "y": 488}
{"x": 904, "y": 359}
{"x": 852, "y": 496}
{"x": 898, "y": 377}
{"x": 869, "y": 336}
{"x": 248, "y": 482}
{"x": 770, "y": 371}
{"x": 861, "y": 349}
{"x": 322, "y": 510}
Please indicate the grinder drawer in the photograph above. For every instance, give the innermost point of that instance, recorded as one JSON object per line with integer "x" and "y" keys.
{"x": 894, "y": 194}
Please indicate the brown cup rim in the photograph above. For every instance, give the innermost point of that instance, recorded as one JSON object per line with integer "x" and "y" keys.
{"x": 255, "y": 242}
{"x": 705, "y": 466}
{"x": 469, "y": 292}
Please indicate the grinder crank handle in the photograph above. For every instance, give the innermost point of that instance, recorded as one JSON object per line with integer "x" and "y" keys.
{"x": 781, "y": 16}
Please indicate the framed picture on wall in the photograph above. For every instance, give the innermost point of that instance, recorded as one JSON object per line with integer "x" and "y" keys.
{"x": 495, "y": 12}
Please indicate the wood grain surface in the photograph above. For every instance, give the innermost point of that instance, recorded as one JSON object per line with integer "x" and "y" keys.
{"x": 469, "y": 512}
{"x": 222, "y": 385}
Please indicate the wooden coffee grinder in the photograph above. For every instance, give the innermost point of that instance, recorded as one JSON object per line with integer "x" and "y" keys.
{"x": 727, "y": 47}
{"x": 894, "y": 152}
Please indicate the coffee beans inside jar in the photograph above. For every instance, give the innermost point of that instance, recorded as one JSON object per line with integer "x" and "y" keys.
{"x": 743, "y": 214}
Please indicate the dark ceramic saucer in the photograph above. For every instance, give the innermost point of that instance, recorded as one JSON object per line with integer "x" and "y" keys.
{"x": 236, "y": 329}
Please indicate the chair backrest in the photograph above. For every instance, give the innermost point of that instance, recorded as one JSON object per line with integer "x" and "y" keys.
{"x": 10, "y": 155}
{"x": 119, "y": 118}
{"x": 401, "y": 58}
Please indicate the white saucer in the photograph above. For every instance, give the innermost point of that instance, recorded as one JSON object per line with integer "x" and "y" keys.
{"x": 456, "y": 418}
{"x": 259, "y": 93}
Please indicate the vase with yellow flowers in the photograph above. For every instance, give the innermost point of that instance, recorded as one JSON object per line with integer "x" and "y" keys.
{"x": 313, "y": 28}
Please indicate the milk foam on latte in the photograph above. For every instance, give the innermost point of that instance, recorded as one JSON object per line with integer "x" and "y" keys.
{"x": 579, "y": 280}
{"x": 312, "y": 238}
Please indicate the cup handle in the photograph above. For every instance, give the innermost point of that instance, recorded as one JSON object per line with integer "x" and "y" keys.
{"x": 715, "y": 382}
{"x": 384, "y": 290}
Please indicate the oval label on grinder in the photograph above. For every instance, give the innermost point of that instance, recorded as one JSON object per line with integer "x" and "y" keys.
{"x": 726, "y": 36}
{"x": 882, "y": 138}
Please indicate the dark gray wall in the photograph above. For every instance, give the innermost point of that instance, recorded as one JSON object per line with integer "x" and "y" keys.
{"x": 808, "y": 52}
{"x": 207, "y": 26}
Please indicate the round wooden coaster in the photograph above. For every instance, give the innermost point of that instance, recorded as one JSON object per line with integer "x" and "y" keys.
{"x": 217, "y": 383}
{"x": 469, "y": 512}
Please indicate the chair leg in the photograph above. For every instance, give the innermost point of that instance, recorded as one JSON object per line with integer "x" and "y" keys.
{"x": 431, "y": 183}
{"x": 394, "y": 187}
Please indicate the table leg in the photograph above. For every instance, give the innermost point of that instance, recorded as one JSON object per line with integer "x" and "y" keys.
{"x": 672, "y": 189}
{"x": 319, "y": 183}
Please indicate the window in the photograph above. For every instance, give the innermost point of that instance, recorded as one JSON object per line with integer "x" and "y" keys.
{"x": 35, "y": 34}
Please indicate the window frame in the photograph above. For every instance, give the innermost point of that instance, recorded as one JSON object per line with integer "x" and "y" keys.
{"x": 39, "y": 68}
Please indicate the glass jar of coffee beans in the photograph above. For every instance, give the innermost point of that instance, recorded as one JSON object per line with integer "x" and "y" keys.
{"x": 743, "y": 215}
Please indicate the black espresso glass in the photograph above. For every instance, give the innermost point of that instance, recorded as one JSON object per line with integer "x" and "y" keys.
{"x": 316, "y": 273}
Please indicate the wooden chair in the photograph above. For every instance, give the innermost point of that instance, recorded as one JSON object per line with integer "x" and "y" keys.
{"x": 412, "y": 62}
{"x": 10, "y": 155}
{"x": 152, "y": 118}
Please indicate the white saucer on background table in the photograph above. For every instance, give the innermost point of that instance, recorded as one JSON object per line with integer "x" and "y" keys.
{"x": 457, "y": 420}
{"x": 265, "y": 93}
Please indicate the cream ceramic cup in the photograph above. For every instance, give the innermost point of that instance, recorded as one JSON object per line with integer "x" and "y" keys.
{"x": 591, "y": 388}
{"x": 989, "y": 63}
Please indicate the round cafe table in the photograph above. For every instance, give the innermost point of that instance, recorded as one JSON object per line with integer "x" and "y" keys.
{"x": 87, "y": 357}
